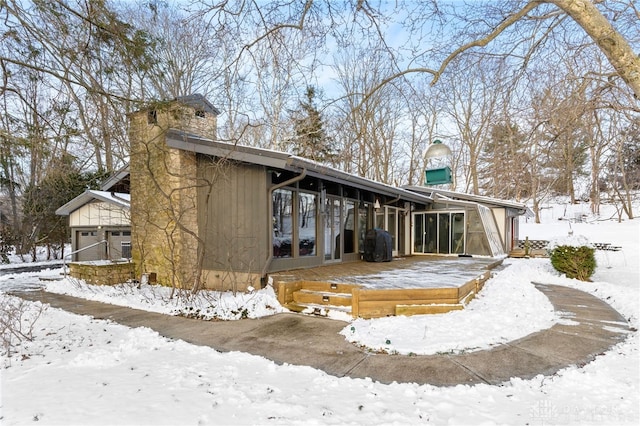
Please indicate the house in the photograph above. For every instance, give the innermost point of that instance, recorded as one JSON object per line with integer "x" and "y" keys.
{"x": 205, "y": 213}
{"x": 219, "y": 215}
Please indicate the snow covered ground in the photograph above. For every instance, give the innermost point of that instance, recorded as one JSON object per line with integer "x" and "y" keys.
{"x": 78, "y": 370}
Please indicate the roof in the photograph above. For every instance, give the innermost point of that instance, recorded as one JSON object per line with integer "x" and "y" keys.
{"x": 118, "y": 199}
{"x": 198, "y": 102}
{"x": 284, "y": 161}
{"x": 461, "y": 196}
{"x": 115, "y": 178}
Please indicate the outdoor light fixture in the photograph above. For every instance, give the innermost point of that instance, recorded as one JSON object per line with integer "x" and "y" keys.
{"x": 376, "y": 205}
{"x": 437, "y": 149}
{"x": 437, "y": 162}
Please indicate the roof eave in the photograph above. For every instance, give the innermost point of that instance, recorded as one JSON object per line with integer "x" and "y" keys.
{"x": 520, "y": 207}
{"x": 85, "y": 198}
{"x": 284, "y": 161}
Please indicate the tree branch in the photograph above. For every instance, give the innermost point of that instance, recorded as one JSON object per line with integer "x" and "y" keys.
{"x": 510, "y": 20}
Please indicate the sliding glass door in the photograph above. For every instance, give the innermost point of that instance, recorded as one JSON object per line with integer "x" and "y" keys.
{"x": 439, "y": 232}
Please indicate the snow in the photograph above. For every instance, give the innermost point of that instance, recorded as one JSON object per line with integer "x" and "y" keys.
{"x": 446, "y": 272}
{"x": 509, "y": 296}
{"x": 78, "y": 370}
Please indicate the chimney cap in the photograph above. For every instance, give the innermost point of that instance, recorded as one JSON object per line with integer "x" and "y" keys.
{"x": 198, "y": 101}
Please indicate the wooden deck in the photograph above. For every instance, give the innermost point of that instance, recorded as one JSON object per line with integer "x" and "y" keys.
{"x": 363, "y": 289}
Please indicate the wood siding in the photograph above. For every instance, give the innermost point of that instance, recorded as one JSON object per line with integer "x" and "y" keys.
{"x": 233, "y": 217}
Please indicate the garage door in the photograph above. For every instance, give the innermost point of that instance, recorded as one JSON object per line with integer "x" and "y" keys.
{"x": 119, "y": 244}
{"x": 85, "y": 239}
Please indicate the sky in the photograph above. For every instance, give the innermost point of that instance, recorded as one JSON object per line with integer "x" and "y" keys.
{"x": 78, "y": 370}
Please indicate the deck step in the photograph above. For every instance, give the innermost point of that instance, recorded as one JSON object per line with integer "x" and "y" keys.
{"x": 328, "y": 286}
{"x": 315, "y": 309}
{"x": 322, "y": 298}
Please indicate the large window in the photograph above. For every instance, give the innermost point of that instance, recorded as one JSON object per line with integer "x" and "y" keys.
{"x": 363, "y": 226}
{"x": 282, "y": 222}
{"x": 349, "y": 226}
{"x": 332, "y": 228}
{"x": 306, "y": 224}
{"x": 294, "y": 230}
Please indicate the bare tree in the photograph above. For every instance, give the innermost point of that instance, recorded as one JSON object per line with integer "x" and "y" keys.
{"x": 370, "y": 128}
{"x": 471, "y": 106}
{"x": 622, "y": 177}
{"x": 529, "y": 26}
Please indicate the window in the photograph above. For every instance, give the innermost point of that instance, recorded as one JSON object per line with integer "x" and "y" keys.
{"x": 152, "y": 116}
{"x": 282, "y": 201}
{"x": 200, "y": 113}
{"x": 350, "y": 226}
{"x": 294, "y": 223}
{"x": 439, "y": 232}
{"x": 126, "y": 249}
{"x": 363, "y": 226}
{"x": 306, "y": 224}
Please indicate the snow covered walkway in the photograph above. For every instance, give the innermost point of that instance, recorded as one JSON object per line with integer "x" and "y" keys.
{"x": 589, "y": 327}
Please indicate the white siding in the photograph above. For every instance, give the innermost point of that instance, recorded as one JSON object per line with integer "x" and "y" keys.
{"x": 98, "y": 213}
{"x": 500, "y": 214}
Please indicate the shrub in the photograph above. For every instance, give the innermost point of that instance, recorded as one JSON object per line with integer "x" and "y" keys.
{"x": 575, "y": 262}
{"x": 17, "y": 322}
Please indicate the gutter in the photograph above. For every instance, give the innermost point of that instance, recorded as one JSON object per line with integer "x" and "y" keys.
{"x": 116, "y": 197}
{"x": 295, "y": 179}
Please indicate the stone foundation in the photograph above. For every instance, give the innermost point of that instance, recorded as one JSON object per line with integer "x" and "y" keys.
{"x": 102, "y": 272}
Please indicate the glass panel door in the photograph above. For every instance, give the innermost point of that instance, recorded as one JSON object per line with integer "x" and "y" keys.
{"x": 349, "y": 226}
{"x": 443, "y": 233}
{"x": 332, "y": 228}
{"x": 363, "y": 227}
{"x": 392, "y": 227}
{"x": 418, "y": 233}
{"x": 457, "y": 233}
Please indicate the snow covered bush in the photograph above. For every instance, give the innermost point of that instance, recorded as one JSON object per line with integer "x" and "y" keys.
{"x": 575, "y": 262}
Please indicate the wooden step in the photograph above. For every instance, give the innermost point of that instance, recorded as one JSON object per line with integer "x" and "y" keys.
{"x": 314, "y": 309}
{"x": 322, "y": 298}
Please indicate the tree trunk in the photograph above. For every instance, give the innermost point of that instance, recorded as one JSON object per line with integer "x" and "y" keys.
{"x": 615, "y": 47}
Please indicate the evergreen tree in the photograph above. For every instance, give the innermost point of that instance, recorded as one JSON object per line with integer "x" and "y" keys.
{"x": 631, "y": 154}
{"x": 505, "y": 156}
{"x": 311, "y": 140}
{"x": 63, "y": 182}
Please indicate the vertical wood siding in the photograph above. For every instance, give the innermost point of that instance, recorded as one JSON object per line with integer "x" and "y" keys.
{"x": 235, "y": 222}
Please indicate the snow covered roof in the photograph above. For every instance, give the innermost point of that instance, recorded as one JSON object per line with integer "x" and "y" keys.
{"x": 115, "y": 198}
